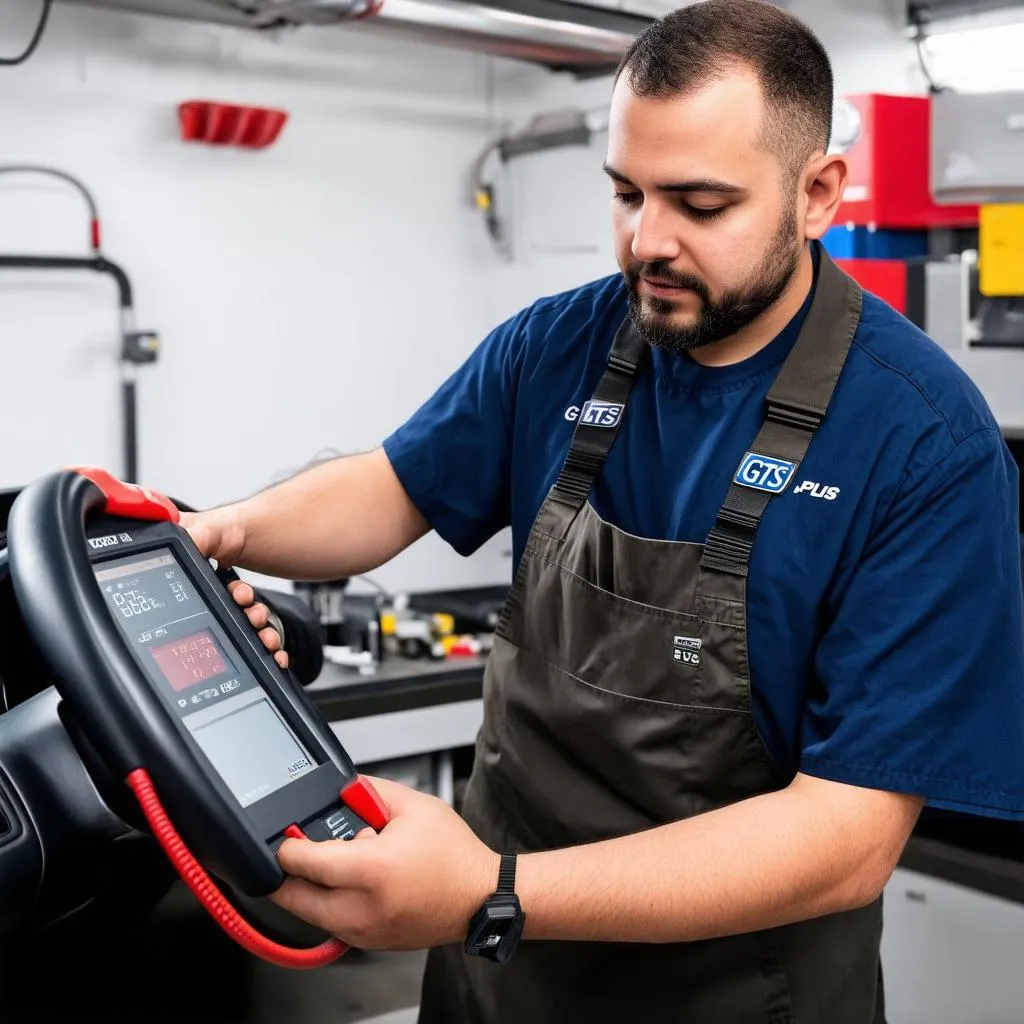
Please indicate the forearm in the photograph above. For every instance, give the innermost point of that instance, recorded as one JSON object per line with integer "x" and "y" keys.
{"x": 812, "y": 849}
{"x": 338, "y": 519}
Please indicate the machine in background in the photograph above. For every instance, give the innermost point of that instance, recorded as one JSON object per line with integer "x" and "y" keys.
{"x": 932, "y": 223}
{"x": 977, "y": 155}
{"x": 933, "y": 217}
{"x": 362, "y": 630}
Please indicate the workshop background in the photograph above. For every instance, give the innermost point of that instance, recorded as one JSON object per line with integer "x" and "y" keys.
{"x": 307, "y": 295}
{"x": 293, "y": 256}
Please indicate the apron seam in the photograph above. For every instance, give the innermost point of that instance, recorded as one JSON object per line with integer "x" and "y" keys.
{"x": 700, "y": 591}
{"x": 636, "y": 536}
{"x": 664, "y": 613}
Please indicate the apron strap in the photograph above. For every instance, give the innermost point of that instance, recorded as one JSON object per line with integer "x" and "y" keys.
{"x": 797, "y": 403}
{"x": 599, "y": 419}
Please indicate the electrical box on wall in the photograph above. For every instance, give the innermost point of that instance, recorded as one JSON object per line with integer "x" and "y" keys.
{"x": 977, "y": 149}
{"x": 885, "y": 278}
{"x": 890, "y": 168}
{"x": 1001, "y": 252}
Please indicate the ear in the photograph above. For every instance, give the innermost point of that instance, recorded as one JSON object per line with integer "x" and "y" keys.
{"x": 824, "y": 185}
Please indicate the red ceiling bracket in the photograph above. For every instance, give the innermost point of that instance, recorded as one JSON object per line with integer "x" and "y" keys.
{"x": 228, "y": 124}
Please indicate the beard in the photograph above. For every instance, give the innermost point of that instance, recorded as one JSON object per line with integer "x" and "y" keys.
{"x": 717, "y": 318}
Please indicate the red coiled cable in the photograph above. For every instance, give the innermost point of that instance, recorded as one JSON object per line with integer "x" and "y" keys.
{"x": 212, "y": 898}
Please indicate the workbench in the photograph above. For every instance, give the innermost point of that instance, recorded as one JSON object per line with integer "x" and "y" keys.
{"x": 405, "y": 709}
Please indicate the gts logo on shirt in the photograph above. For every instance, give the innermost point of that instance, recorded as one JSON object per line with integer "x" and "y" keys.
{"x": 764, "y": 473}
{"x": 595, "y": 413}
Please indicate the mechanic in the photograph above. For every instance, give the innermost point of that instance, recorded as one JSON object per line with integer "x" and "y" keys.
{"x": 706, "y": 747}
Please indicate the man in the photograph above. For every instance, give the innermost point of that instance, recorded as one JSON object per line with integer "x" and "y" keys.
{"x": 745, "y": 643}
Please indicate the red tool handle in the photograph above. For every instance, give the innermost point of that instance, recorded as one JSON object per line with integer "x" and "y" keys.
{"x": 129, "y": 500}
{"x": 360, "y": 795}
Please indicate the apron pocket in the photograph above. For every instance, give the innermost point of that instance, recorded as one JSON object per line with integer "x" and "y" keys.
{"x": 575, "y": 757}
{"x": 629, "y": 648}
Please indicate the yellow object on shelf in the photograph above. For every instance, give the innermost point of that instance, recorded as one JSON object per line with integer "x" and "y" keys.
{"x": 388, "y": 623}
{"x": 1001, "y": 249}
{"x": 444, "y": 623}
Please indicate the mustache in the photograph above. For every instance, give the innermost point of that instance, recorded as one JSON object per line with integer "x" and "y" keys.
{"x": 666, "y": 272}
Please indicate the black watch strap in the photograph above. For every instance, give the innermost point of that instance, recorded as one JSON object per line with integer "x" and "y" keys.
{"x": 496, "y": 929}
{"x": 507, "y": 875}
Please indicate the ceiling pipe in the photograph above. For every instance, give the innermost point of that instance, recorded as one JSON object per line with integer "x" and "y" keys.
{"x": 555, "y": 33}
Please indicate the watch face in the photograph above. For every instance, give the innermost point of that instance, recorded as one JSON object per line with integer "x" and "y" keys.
{"x": 495, "y": 931}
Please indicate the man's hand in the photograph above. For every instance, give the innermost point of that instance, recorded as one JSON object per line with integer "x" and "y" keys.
{"x": 816, "y": 847}
{"x": 220, "y": 534}
{"x": 413, "y": 886}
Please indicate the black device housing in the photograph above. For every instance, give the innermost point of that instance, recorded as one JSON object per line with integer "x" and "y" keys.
{"x": 496, "y": 928}
{"x": 109, "y": 695}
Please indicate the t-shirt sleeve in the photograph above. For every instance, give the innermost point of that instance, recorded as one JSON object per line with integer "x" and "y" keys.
{"x": 920, "y": 672}
{"x": 453, "y": 455}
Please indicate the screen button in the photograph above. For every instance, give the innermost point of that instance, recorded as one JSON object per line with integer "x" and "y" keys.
{"x": 340, "y": 822}
{"x": 339, "y": 825}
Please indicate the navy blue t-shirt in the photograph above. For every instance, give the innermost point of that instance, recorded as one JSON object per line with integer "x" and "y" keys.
{"x": 884, "y": 603}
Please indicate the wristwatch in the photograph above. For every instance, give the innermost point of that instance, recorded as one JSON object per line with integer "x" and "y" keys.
{"x": 496, "y": 928}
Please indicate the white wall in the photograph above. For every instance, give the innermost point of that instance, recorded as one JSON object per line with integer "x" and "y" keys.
{"x": 309, "y": 296}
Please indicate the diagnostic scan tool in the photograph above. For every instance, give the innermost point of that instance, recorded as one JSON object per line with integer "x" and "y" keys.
{"x": 170, "y": 685}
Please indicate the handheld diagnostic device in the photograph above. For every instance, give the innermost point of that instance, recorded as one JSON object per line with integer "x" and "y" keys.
{"x": 171, "y": 686}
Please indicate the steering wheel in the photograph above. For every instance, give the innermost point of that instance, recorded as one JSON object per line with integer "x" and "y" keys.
{"x": 64, "y": 808}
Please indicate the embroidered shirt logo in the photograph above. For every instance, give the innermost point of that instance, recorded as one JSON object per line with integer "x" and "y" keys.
{"x": 596, "y": 414}
{"x": 816, "y": 490}
{"x": 686, "y": 649}
{"x": 764, "y": 473}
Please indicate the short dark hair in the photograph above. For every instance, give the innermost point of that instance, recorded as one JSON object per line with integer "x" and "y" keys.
{"x": 691, "y": 46}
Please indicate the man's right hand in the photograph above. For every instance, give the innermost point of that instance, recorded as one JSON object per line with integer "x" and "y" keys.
{"x": 220, "y": 534}
{"x": 339, "y": 518}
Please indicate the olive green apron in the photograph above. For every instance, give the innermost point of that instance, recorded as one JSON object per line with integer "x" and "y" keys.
{"x": 617, "y": 698}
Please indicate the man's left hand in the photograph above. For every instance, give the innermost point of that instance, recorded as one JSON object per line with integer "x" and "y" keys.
{"x": 413, "y": 886}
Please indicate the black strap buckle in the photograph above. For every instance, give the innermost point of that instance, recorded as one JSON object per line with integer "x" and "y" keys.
{"x": 731, "y": 541}
{"x": 571, "y": 491}
{"x": 736, "y": 519}
{"x": 577, "y": 475}
{"x": 621, "y": 365}
{"x": 727, "y": 551}
{"x": 794, "y": 414}
{"x": 581, "y": 461}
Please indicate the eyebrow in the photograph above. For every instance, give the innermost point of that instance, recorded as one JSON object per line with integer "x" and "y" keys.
{"x": 697, "y": 185}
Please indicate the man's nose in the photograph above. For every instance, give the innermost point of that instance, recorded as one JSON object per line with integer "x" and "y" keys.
{"x": 655, "y": 237}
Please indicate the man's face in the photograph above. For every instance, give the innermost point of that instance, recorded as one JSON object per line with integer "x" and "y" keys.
{"x": 705, "y": 217}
